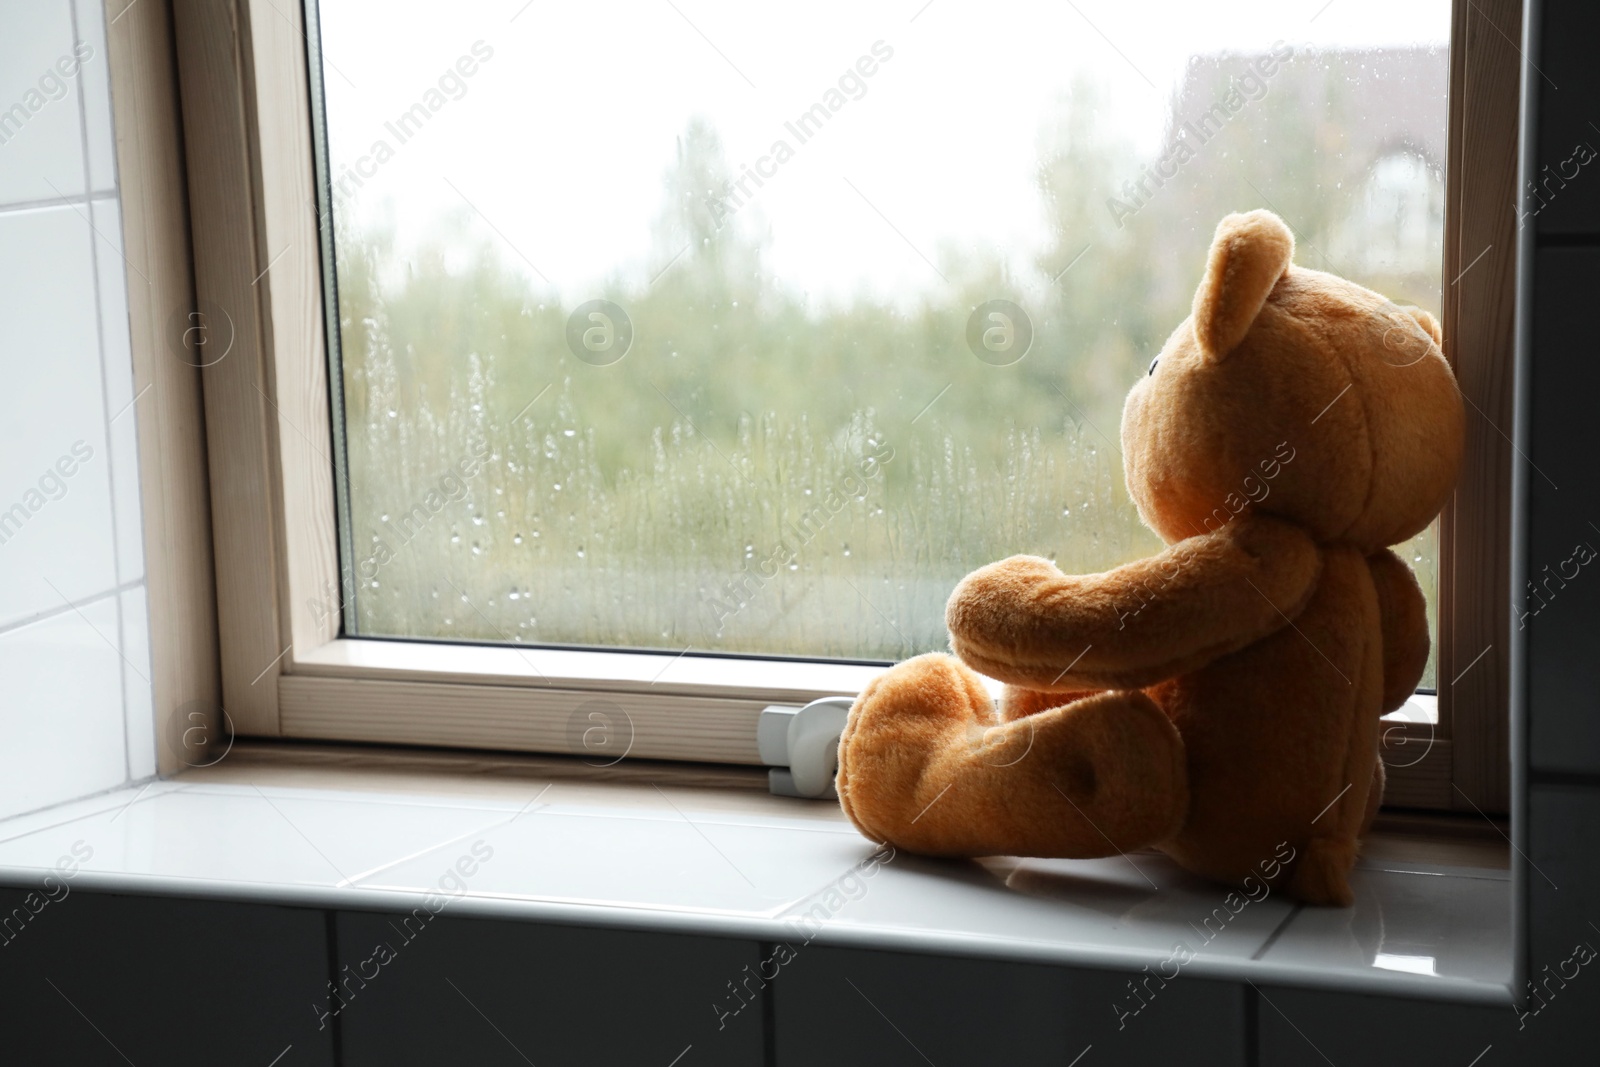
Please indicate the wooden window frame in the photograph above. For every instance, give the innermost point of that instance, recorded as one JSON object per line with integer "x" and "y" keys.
{"x": 220, "y": 90}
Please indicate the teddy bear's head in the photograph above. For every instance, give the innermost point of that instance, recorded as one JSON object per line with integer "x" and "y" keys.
{"x": 1293, "y": 393}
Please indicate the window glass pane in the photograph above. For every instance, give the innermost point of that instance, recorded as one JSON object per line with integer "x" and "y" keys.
{"x": 753, "y": 328}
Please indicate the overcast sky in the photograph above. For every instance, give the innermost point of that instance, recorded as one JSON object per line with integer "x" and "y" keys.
{"x": 562, "y": 138}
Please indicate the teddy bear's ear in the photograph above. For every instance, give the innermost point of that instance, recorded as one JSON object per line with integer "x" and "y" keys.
{"x": 1249, "y": 253}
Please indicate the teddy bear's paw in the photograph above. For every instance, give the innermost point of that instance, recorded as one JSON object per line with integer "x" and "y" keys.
{"x": 926, "y": 764}
{"x": 904, "y": 720}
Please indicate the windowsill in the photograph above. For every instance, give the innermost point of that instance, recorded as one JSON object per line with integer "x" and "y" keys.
{"x": 360, "y": 830}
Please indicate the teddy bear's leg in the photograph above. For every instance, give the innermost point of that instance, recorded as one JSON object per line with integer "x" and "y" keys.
{"x": 926, "y": 765}
{"x": 1322, "y": 873}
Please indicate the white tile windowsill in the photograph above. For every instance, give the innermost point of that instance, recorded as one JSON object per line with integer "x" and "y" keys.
{"x": 1430, "y": 921}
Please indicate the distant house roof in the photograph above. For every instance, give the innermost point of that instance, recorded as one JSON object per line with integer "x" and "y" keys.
{"x": 1386, "y": 100}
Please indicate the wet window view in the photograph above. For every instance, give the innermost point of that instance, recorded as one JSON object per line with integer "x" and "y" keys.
{"x": 753, "y": 328}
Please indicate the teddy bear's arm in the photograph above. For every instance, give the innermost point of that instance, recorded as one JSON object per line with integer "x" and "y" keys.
{"x": 1024, "y": 622}
{"x": 1403, "y": 617}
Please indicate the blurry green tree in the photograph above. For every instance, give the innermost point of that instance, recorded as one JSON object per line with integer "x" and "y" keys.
{"x": 652, "y": 503}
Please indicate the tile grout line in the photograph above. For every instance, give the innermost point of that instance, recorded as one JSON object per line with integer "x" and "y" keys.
{"x": 1252, "y": 1017}
{"x": 468, "y": 803}
{"x": 355, "y": 879}
{"x": 235, "y": 788}
{"x": 78, "y": 800}
{"x": 70, "y": 200}
{"x": 330, "y": 919}
{"x": 72, "y": 605}
{"x": 112, "y": 465}
{"x": 1456, "y": 872}
{"x": 1272, "y": 938}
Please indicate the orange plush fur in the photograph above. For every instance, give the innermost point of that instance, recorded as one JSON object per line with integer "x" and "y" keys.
{"x": 1221, "y": 698}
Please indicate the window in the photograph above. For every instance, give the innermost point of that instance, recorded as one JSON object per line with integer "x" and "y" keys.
{"x": 662, "y": 336}
{"x": 726, "y": 375}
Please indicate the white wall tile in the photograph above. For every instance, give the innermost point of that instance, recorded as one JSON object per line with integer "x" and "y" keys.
{"x": 120, "y": 394}
{"x": 61, "y": 718}
{"x": 41, "y": 137}
{"x": 96, "y": 78}
{"x": 70, "y": 524}
{"x": 138, "y": 697}
{"x": 56, "y": 528}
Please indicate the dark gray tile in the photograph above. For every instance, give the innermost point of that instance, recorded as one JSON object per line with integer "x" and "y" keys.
{"x": 1569, "y": 112}
{"x": 1562, "y": 609}
{"x": 1564, "y": 917}
{"x": 1300, "y": 1027}
{"x": 486, "y": 992}
{"x": 846, "y": 1007}
{"x": 89, "y": 979}
{"x": 1555, "y": 1024}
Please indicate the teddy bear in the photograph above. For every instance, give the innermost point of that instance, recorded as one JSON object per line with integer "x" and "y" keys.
{"x": 1218, "y": 701}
